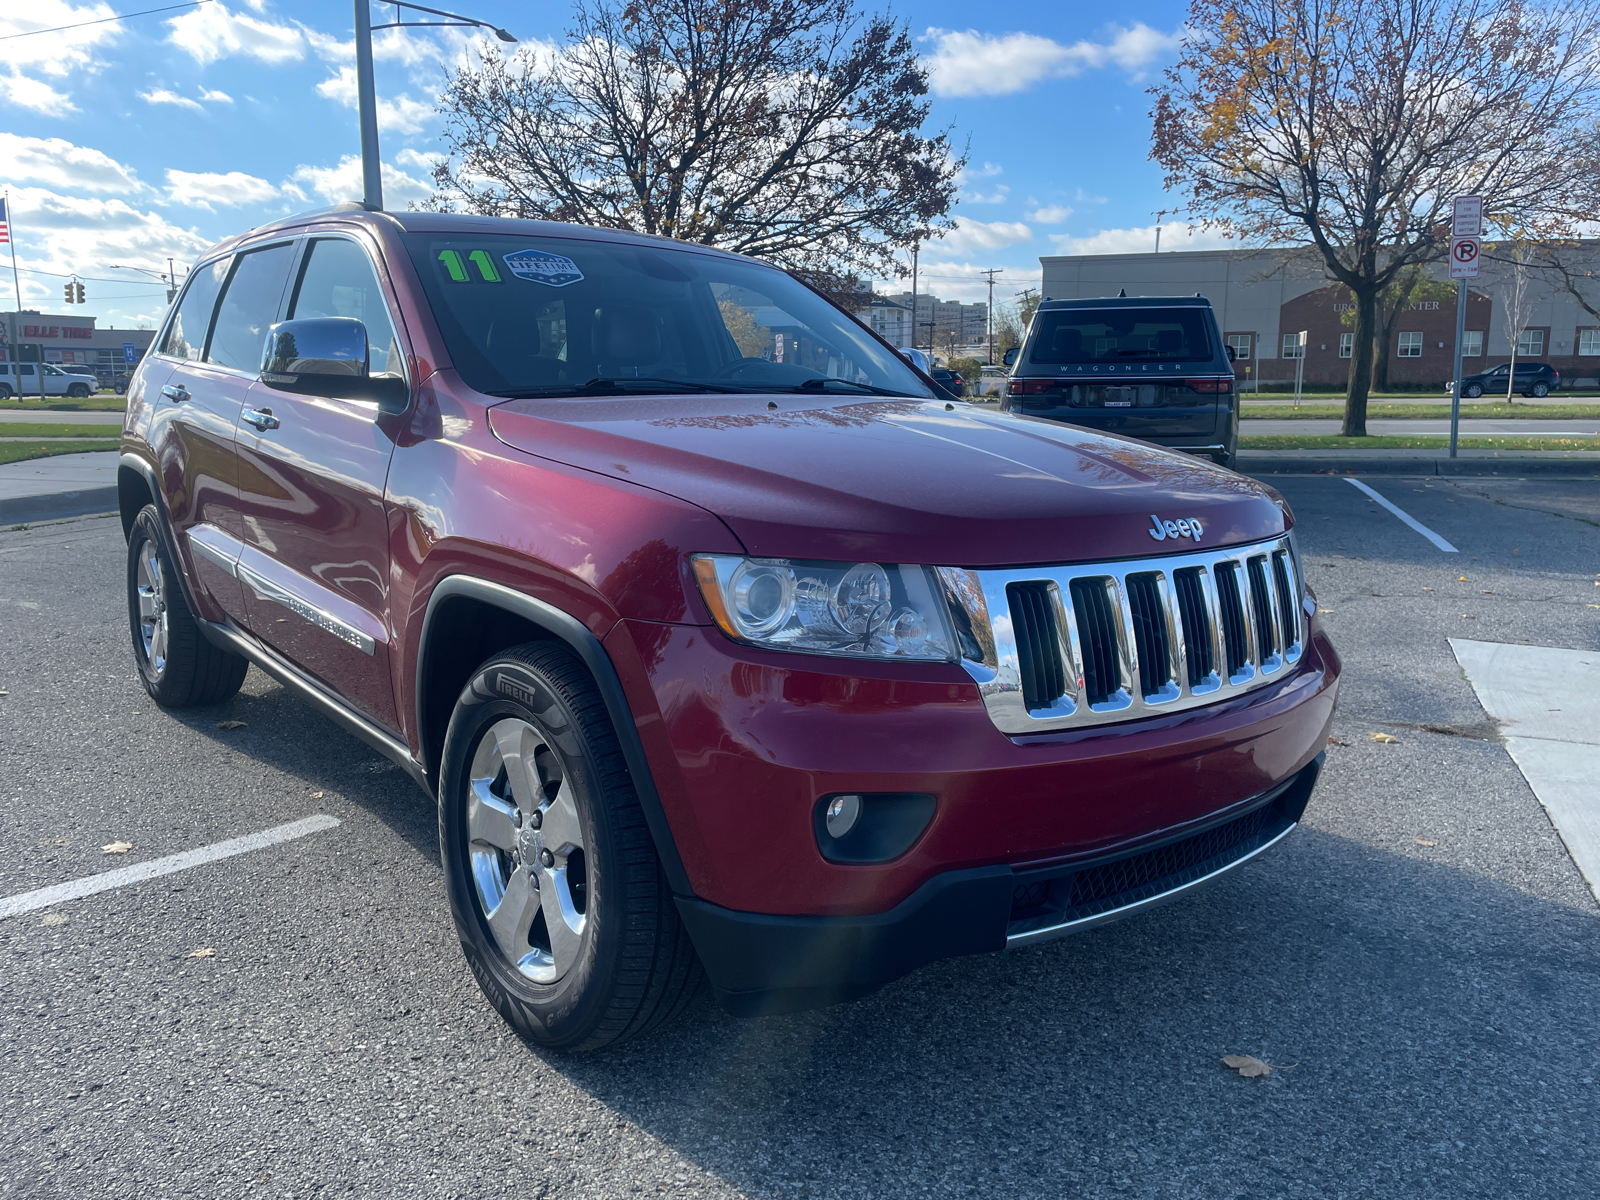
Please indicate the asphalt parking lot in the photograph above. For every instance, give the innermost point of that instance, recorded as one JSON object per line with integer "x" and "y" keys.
{"x": 1420, "y": 959}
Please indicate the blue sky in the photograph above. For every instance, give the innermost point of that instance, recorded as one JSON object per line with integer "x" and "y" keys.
{"x": 124, "y": 143}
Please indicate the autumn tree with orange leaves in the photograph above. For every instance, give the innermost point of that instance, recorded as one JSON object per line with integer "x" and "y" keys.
{"x": 1353, "y": 125}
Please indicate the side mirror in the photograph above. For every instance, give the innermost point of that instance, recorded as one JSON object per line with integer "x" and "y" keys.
{"x": 1233, "y": 355}
{"x": 327, "y": 356}
{"x": 1010, "y": 357}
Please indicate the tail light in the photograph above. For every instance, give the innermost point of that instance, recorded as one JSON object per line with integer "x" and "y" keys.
{"x": 1213, "y": 385}
{"x": 1031, "y": 387}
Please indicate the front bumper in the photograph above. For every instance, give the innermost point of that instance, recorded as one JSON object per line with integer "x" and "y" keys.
{"x": 762, "y": 964}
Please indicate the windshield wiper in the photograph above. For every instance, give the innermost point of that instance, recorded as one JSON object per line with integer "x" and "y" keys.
{"x": 816, "y": 385}
{"x": 685, "y": 385}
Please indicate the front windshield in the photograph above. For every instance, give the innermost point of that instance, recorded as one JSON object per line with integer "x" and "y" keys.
{"x": 541, "y": 316}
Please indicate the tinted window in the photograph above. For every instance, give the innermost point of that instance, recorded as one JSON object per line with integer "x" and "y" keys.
{"x": 1119, "y": 335}
{"x": 545, "y": 316}
{"x": 248, "y": 306}
{"x": 187, "y": 337}
{"x": 338, "y": 281}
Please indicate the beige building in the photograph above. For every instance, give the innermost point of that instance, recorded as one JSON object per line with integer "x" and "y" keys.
{"x": 1264, "y": 299}
{"x": 112, "y": 353}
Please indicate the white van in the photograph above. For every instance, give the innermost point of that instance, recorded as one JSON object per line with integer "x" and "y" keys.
{"x": 23, "y": 379}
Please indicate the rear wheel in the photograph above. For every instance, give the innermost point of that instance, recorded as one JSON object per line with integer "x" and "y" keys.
{"x": 1541, "y": 390}
{"x": 177, "y": 666}
{"x": 563, "y": 913}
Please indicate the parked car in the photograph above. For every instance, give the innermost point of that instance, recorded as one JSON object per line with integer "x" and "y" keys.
{"x": 1532, "y": 379}
{"x": 772, "y": 668}
{"x": 950, "y": 381}
{"x": 1148, "y": 367}
{"x": 23, "y": 379}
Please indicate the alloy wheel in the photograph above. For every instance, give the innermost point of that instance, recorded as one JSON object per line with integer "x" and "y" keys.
{"x": 153, "y": 621}
{"x": 528, "y": 850}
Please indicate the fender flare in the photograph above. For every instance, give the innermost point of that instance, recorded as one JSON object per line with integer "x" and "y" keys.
{"x": 577, "y": 637}
{"x": 132, "y": 462}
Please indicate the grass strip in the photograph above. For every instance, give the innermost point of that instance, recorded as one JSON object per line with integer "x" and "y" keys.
{"x": 11, "y": 452}
{"x": 1333, "y": 441}
{"x": 110, "y": 402}
{"x": 1469, "y": 412}
{"x": 30, "y": 429}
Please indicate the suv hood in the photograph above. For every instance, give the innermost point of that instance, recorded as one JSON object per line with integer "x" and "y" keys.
{"x": 907, "y": 481}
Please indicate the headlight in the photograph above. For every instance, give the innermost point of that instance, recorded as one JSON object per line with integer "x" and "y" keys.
{"x": 863, "y": 610}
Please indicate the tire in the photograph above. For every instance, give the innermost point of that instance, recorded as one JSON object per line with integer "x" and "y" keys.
{"x": 178, "y": 666}
{"x": 568, "y": 853}
{"x": 1225, "y": 459}
{"x": 1541, "y": 390}
{"x": 1473, "y": 391}
{"x": 5, "y": 391}
{"x": 78, "y": 392}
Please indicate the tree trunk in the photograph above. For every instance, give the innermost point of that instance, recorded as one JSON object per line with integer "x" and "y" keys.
{"x": 1355, "y": 405}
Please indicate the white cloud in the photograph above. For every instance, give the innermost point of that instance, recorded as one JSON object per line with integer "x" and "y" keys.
{"x": 967, "y": 281}
{"x": 1141, "y": 240}
{"x": 36, "y": 94}
{"x": 969, "y": 63}
{"x": 401, "y": 114}
{"x": 162, "y": 96}
{"x": 343, "y": 182}
{"x": 65, "y": 55}
{"x": 415, "y": 158}
{"x": 214, "y": 97}
{"x": 1084, "y": 197}
{"x": 206, "y": 189}
{"x": 969, "y": 236}
{"x": 212, "y": 32}
{"x": 998, "y": 196}
{"x": 58, "y": 164}
{"x": 1050, "y": 214}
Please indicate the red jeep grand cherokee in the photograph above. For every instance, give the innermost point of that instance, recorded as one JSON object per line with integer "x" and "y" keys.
{"x": 723, "y": 644}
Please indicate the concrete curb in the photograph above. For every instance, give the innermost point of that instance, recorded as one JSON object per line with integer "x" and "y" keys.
{"x": 24, "y": 510}
{"x": 1501, "y": 468}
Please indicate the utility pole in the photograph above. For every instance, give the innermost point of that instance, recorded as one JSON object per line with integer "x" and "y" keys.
{"x": 991, "y": 273}
{"x": 914, "y": 249}
{"x": 366, "y": 91}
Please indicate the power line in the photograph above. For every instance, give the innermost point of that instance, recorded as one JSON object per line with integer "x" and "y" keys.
{"x": 104, "y": 20}
{"x": 74, "y": 275}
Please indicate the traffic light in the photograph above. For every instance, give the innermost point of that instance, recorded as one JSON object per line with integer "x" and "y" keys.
{"x": 68, "y": 292}
{"x": 79, "y": 288}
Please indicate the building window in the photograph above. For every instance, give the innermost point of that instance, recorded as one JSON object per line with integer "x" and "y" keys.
{"x": 1292, "y": 347}
{"x": 1472, "y": 344}
{"x": 1588, "y": 343}
{"x": 1347, "y": 344}
{"x": 1411, "y": 345}
{"x": 1531, "y": 343}
{"x": 1241, "y": 345}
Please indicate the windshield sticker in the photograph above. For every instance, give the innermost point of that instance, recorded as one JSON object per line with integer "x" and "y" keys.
{"x": 474, "y": 267}
{"x": 550, "y": 269}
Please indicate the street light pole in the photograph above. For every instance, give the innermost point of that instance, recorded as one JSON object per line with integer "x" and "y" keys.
{"x": 366, "y": 90}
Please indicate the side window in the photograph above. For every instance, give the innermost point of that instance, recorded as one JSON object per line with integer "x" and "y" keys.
{"x": 338, "y": 281}
{"x": 187, "y": 337}
{"x": 248, "y": 306}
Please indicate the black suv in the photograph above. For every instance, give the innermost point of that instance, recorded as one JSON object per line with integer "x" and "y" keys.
{"x": 1149, "y": 367}
{"x": 1533, "y": 379}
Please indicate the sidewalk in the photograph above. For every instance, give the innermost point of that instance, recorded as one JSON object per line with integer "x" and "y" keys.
{"x": 1504, "y": 464}
{"x": 68, "y": 485}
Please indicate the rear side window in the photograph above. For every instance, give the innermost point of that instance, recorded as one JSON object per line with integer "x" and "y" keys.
{"x": 1119, "y": 335}
{"x": 186, "y": 338}
{"x": 338, "y": 281}
{"x": 249, "y": 305}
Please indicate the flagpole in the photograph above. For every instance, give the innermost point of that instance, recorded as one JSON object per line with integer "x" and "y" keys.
{"x": 14, "y": 351}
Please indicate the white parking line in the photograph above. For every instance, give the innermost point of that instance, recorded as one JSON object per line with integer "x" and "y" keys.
{"x": 12, "y": 906}
{"x": 1406, "y": 517}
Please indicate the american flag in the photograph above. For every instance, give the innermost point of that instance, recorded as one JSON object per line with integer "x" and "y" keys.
{"x": 5, "y": 227}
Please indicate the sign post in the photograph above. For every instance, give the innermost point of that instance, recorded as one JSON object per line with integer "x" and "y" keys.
{"x": 1300, "y": 366}
{"x": 1466, "y": 230}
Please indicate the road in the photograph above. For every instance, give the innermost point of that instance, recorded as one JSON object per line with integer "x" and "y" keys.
{"x": 1419, "y": 959}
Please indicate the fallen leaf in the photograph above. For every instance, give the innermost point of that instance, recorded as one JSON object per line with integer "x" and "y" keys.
{"x": 1463, "y": 579}
{"x": 1468, "y": 617}
{"x": 55, "y": 919}
{"x": 1247, "y": 1065}
{"x": 5, "y": 693}
{"x": 203, "y": 952}
{"x": 1427, "y": 589}
{"x": 1482, "y": 592}
{"x": 117, "y": 848}
{"x": 1385, "y": 738}
{"x": 316, "y": 795}
{"x": 230, "y": 724}
{"x": 1333, "y": 741}
{"x": 1425, "y": 842}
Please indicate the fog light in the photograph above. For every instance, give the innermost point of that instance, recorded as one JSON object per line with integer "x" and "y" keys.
{"x": 843, "y": 812}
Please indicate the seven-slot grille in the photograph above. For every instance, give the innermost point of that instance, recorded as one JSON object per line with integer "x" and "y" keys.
{"x": 1088, "y": 644}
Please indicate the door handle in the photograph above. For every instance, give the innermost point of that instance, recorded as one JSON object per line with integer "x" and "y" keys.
{"x": 261, "y": 418}
{"x": 177, "y": 393}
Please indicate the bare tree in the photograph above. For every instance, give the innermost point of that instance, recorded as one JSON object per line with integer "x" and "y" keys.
{"x": 1352, "y": 124}
{"x": 787, "y": 129}
{"x": 1516, "y": 302}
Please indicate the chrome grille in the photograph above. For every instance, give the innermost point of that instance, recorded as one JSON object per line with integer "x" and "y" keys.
{"x": 1087, "y": 644}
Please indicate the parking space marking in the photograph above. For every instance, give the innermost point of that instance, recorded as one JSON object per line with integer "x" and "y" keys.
{"x": 12, "y": 906}
{"x": 1548, "y": 703}
{"x": 1406, "y": 517}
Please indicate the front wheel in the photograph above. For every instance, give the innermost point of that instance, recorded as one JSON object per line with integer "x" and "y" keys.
{"x": 178, "y": 667}
{"x": 1472, "y": 391}
{"x": 559, "y": 900}
{"x": 78, "y": 391}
